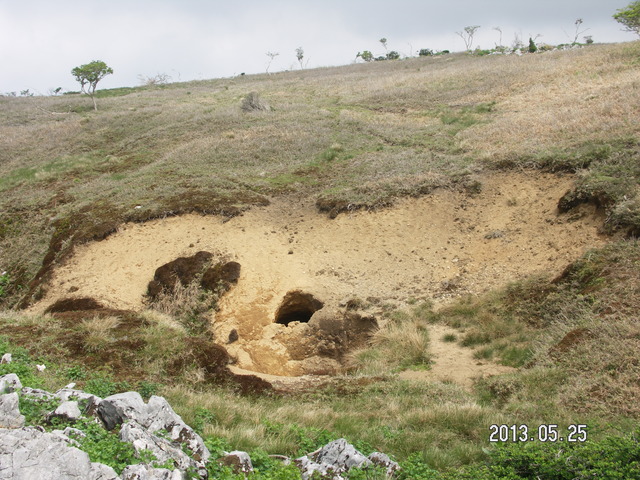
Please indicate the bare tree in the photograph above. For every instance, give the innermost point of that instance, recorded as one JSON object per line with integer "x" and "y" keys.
{"x": 578, "y": 32}
{"x": 271, "y": 56}
{"x": 517, "y": 41}
{"x": 498, "y": 29}
{"x": 467, "y": 35}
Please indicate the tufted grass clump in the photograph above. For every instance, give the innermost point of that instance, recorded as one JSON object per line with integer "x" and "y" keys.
{"x": 401, "y": 343}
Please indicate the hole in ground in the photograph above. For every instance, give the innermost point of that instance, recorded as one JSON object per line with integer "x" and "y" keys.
{"x": 297, "y": 306}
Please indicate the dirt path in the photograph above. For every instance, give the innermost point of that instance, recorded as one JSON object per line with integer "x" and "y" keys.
{"x": 434, "y": 247}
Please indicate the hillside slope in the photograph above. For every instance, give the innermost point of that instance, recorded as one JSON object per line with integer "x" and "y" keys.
{"x": 492, "y": 201}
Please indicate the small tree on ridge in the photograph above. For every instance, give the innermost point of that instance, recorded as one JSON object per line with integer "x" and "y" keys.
{"x": 467, "y": 36}
{"x": 89, "y": 75}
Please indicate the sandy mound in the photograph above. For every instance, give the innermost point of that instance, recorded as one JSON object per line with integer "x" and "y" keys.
{"x": 435, "y": 247}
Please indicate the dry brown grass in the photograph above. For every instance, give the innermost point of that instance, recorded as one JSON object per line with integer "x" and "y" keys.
{"x": 98, "y": 331}
{"x": 402, "y": 342}
{"x": 558, "y": 100}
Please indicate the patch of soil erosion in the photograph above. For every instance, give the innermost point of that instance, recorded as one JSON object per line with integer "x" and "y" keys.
{"x": 120, "y": 356}
{"x": 285, "y": 311}
{"x": 305, "y": 338}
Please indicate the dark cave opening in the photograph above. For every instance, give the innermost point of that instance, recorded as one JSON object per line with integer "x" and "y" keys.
{"x": 297, "y": 306}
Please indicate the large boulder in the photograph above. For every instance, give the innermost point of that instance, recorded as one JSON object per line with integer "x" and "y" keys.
{"x": 29, "y": 454}
{"x": 10, "y": 412}
{"x": 154, "y": 416}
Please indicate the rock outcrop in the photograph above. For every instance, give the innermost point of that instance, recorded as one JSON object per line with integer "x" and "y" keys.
{"x": 30, "y": 452}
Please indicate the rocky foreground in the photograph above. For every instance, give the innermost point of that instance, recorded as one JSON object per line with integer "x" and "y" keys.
{"x": 165, "y": 447}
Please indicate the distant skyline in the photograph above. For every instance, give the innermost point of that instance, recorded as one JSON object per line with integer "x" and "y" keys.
{"x": 41, "y": 40}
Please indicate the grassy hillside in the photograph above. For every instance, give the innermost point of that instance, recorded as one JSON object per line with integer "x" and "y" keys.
{"x": 359, "y": 136}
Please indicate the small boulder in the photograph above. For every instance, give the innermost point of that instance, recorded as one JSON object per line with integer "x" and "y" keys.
{"x": 141, "y": 439}
{"x": 239, "y": 461}
{"x": 9, "y": 383}
{"x": 10, "y": 412}
{"x": 66, "y": 411}
{"x": 6, "y": 358}
{"x": 152, "y": 417}
{"x": 87, "y": 402}
{"x": 37, "y": 394}
{"x": 332, "y": 460}
{"x": 147, "y": 472}
{"x": 116, "y": 409}
{"x": 381, "y": 460}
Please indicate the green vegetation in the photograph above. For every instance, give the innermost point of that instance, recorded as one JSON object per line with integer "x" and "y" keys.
{"x": 89, "y": 75}
{"x": 629, "y": 17}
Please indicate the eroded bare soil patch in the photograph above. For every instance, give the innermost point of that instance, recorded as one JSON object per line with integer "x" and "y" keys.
{"x": 292, "y": 309}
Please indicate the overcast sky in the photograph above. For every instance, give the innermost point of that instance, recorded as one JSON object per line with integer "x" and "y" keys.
{"x": 42, "y": 40}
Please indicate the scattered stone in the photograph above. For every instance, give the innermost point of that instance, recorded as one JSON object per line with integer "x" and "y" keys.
{"x": 41, "y": 368}
{"x": 71, "y": 432}
{"x": 37, "y": 393}
{"x": 233, "y": 336}
{"x": 10, "y": 412}
{"x": 332, "y": 460}
{"x": 383, "y": 460}
{"x": 68, "y": 393}
{"x": 6, "y": 358}
{"x": 239, "y": 461}
{"x": 147, "y": 472}
{"x": 31, "y": 452}
{"x": 141, "y": 439}
{"x": 9, "y": 383}
{"x": 494, "y": 234}
{"x": 66, "y": 411}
